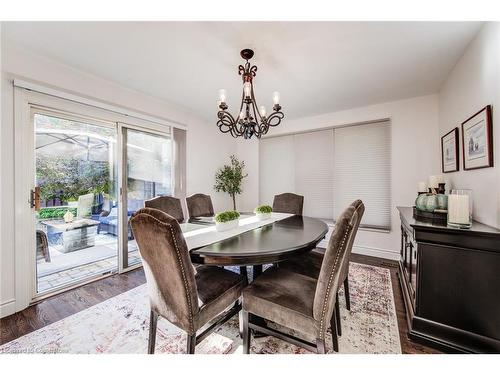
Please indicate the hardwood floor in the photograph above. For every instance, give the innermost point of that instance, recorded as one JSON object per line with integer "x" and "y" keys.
{"x": 65, "y": 304}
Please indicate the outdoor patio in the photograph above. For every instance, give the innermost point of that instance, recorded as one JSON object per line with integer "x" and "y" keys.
{"x": 68, "y": 268}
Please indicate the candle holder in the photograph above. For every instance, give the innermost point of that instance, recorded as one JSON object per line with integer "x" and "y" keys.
{"x": 460, "y": 208}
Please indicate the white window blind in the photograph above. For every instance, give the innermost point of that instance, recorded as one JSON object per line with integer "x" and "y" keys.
{"x": 363, "y": 171}
{"x": 314, "y": 172}
{"x": 276, "y": 167}
{"x": 331, "y": 168}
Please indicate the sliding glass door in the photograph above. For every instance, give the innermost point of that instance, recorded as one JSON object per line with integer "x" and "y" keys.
{"x": 147, "y": 174}
{"x": 90, "y": 177}
{"x": 75, "y": 199}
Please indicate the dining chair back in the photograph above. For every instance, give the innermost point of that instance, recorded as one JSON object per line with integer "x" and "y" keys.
{"x": 334, "y": 263}
{"x": 199, "y": 205}
{"x": 169, "y": 205}
{"x": 288, "y": 203}
{"x": 344, "y": 272}
{"x": 167, "y": 266}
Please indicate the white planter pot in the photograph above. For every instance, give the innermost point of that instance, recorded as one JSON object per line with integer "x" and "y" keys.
{"x": 263, "y": 216}
{"x": 228, "y": 225}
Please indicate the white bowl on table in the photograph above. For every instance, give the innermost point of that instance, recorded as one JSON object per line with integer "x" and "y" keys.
{"x": 228, "y": 225}
{"x": 263, "y": 216}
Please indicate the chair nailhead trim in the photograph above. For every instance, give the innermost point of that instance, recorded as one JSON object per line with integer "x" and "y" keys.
{"x": 330, "y": 280}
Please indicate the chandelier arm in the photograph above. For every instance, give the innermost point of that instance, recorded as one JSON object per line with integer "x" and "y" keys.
{"x": 257, "y": 122}
{"x": 275, "y": 118}
{"x": 226, "y": 122}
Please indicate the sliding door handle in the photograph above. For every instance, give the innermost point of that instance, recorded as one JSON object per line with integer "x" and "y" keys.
{"x": 35, "y": 198}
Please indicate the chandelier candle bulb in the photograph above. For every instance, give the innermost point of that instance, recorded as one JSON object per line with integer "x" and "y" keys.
{"x": 247, "y": 88}
{"x": 276, "y": 97}
{"x": 263, "y": 111}
{"x": 222, "y": 95}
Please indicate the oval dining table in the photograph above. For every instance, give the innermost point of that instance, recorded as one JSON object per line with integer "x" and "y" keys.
{"x": 272, "y": 243}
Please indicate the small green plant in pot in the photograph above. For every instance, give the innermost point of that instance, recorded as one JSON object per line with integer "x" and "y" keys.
{"x": 226, "y": 220}
{"x": 263, "y": 212}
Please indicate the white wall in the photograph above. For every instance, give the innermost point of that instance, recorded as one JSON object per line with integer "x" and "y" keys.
{"x": 247, "y": 150}
{"x": 415, "y": 156}
{"x": 207, "y": 148}
{"x": 474, "y": 83}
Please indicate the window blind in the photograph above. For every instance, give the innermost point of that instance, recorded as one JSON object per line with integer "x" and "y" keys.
{"x": 363, "y": 171}
{"x": 331, "y": 168}
{"x": 276, "y": 167}
{"x": 314, "y": 172}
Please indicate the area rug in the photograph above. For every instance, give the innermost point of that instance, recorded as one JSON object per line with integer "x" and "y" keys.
{"x": 120, "y": 325}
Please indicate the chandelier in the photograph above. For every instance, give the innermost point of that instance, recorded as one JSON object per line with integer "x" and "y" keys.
{"x": 250, "y": 121}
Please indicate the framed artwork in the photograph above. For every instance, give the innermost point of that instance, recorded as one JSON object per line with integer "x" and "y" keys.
{"x": 449, "y": 151}
{"x": 477, "y": 140}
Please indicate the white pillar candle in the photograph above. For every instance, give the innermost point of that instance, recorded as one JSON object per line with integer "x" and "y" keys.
{"x": 422, "y": 187}
{"x": 458, "y": 209}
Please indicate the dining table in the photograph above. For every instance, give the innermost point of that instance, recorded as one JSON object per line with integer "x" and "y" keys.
{"x": 255, "y": 244}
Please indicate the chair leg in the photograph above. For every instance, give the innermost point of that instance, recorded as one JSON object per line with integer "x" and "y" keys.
{"x": 333, "y": 327}
{"x": 337, "y": 314}
{"x": 246, "y": 331}
{"x": 346, "y": 293}
{"x": 153, "y": 320}
{"x": 240, "y": 318}
{"x": 244, "y": 272}
{"x": 191, "y": 344}
{"x": 320, "y": 345}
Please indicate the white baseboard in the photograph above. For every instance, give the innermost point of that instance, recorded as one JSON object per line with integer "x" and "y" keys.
{"x": 7, "y": 308}
{"x": 376, "y": 252}
{"x": 370, "y": 251}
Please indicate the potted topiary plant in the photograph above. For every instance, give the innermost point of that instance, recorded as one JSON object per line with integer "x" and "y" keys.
{"x": 226, "y": 220}
{"x": 229, "y": 178}
{"x": 263, "y": 212}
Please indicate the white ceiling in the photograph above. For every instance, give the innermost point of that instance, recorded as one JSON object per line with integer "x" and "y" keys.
{"x": 318, "y": 67}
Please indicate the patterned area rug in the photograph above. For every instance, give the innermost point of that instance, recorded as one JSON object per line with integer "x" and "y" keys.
{"x": 120, "y": 325}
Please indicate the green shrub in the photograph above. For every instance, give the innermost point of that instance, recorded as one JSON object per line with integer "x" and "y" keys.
{"x": 54, "y": 212}
{"x": 224, "y": 217}
{"x": 264, "y": 209}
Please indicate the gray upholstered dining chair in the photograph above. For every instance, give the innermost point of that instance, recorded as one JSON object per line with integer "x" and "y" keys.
{"x": 199, "y": 205}
{"x": 288, "y": 203}
{"x": 299, "y": 302}
{"x": 169, "y": 205}
{"x": 309, "y": 264}
{"x": 186, "y": 297}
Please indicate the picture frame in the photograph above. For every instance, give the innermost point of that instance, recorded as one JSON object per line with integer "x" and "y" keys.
{"x": 477, "y": 140}
{"x": 449, "y": 152}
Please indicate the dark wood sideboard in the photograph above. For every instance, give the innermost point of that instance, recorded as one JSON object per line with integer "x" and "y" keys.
{"x": 450, "y": 280}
